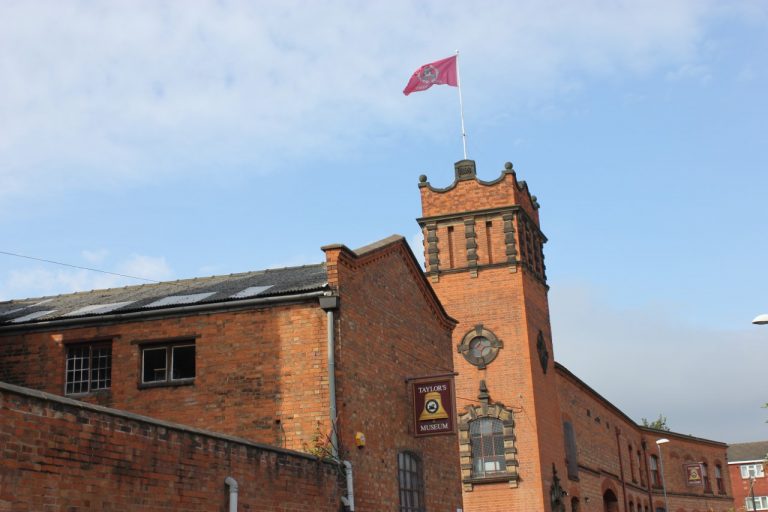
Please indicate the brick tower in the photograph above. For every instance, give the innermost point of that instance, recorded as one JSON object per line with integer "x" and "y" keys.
{"x": 484, "y": 258}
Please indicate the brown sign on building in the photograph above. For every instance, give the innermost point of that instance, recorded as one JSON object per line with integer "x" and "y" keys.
{"x": 693, "y": 474}
{"x": 433, "y": 412}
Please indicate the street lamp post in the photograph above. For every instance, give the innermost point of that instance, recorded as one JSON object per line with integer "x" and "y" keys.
{"x": 660, "y": 442}
{"x": 752, "y": 492}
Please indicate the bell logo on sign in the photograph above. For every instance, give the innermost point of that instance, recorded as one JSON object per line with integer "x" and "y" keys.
{"x": 433, "y": 406}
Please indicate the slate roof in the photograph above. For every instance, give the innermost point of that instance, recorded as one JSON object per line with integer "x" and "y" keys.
{"x": 151, "y": 297}
{"x": 757, "y": 450}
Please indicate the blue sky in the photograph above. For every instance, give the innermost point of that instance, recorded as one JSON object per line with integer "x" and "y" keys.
{"x": 178, "y": 139}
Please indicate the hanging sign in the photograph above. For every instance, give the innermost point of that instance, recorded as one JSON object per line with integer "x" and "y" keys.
{"x": 433, "y": 411}
{"x": 693, "y": 474}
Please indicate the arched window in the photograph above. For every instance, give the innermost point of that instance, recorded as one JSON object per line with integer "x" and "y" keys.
{"x": 575, "y": 505}
{"x": 719, "y": 479}
{"x": 655, "y": 477}
{"x": 411, "y": 482}
{"x": 571, "y": 451}
{"x": 487, "y": 444}
{"x": 705, "y": 477}
{"x": 486, "y": 438}
{"x": 610, "y": 502}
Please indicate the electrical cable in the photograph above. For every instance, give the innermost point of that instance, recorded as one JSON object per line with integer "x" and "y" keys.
{"x": 79, "y": 267}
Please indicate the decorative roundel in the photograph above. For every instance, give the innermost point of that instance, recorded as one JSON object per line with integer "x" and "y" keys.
{"x": 428, "y": 74}
{"x": 480, "y": 346}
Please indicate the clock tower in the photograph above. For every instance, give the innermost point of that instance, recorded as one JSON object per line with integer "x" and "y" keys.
{"x": 484, "y": 258}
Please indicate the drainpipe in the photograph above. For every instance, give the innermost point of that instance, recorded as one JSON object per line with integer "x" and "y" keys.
{"x": 232, "y": 484}
{"x": 330, "y": 303}
{"x": 349, "y": 499}
{"x": 621, "y": 468}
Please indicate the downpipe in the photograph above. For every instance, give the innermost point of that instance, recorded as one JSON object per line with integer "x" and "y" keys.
{"x": 232, "y": 484}
{"x": 349, "y": 499}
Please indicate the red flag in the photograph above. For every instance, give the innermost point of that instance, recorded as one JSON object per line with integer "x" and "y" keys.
{"x": 435, "y": 73}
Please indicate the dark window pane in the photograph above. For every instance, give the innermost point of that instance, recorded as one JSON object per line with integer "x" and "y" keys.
{"x": 184, "y": 362}
{"x": 154, "y": 360}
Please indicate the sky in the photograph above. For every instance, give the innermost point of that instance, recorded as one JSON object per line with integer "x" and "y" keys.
{"x": 178, "y": 139}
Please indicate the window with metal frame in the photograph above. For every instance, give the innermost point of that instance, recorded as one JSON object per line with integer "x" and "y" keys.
{"x": 486, "y": 438}
{"x": 167, "y": 363}
{"x": 751, "y": 470}
{"x": 411, "y": 482}
{"x": 89, "y": 368}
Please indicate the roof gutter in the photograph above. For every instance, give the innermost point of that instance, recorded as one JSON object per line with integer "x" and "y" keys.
{"x": 160, "y": 313}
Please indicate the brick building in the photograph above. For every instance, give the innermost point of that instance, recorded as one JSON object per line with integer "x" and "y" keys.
{"x": 746, "y": 466}
{"x": 532, "y": 435}
{"x": 243, "y": 355}
{"x": 240, "y": 364}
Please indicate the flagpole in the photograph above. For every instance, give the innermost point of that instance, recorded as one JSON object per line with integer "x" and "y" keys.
{"x": 461, "y": 107}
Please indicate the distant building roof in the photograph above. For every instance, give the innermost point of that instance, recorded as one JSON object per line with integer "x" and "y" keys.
{"x": 742, "y": 452}
{"x": 151, "y": 297}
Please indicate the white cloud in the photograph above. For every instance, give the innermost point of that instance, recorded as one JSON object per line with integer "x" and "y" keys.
{"x": 147, "y": 267}
{"x": 649, "y": 360}
{"x": 39, "y": 281}
{"x": 96, "y": 256}
{"x": 100, "y": 95}
{"x": 690, "y": 71}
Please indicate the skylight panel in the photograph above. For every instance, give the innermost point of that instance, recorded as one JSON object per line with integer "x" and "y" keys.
{"x": 31, "y": 316}
{"x": 177, "y": 300}
{"x": 98, "y": 309}
{"x": 251, "y": 291}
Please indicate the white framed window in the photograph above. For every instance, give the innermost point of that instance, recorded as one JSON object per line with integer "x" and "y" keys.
{"x": 761, "y": 502}
{"x": 752, "y": 470}
{"x": 168, "y": 364}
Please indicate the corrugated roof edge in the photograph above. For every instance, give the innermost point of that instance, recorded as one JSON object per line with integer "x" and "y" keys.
{"x": 163, "y": 311}
{"x": 179, "y": 282}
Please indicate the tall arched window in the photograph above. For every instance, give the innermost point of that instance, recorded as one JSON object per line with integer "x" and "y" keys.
{"x": 411, "y": 481}
{"x": 486, "y": 438}
{"x": 655, "y": 477}
{"x": 719, "y": 479}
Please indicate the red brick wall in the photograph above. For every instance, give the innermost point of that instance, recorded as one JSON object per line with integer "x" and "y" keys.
{"x": 254, "y": 367}
{"x": 59, "y": 454}
{"x": 512, "y": 304}
{"x": 741, "y": 485}
{"x": 390, "y": 328}
{"x": 603, "y": 435}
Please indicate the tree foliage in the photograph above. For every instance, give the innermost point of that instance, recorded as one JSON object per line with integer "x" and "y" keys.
{"x": 659, "y": 423}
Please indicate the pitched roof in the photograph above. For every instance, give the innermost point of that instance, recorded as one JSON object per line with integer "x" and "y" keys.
{"x": 757, "y": 450}
{"x": 150, "y": 297}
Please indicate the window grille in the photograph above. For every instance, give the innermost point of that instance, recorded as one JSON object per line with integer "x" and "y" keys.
{"x": 411, "y": 482}
{"x": 487, "y": 442}
{"x": 89, "y": 368}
